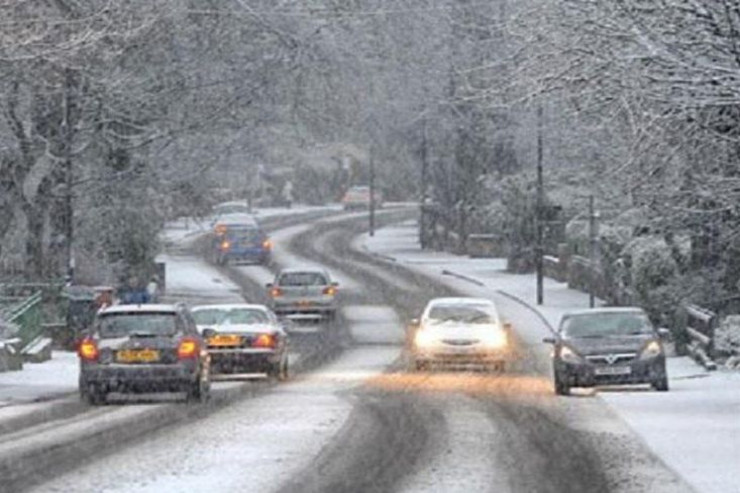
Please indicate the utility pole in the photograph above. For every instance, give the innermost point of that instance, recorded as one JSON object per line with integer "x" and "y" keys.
{"x": 67, "y": 133}
{"x": 593, "y": 237}
{"x": 372, "y": 192}
{"x": 424, "y": 166}
{"x": 539, "y": 248}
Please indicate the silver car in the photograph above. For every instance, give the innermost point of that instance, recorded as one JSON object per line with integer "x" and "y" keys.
{"x": 304, "y": 291}
{"x": 460, "y": 332}
{"x": 243, "y": 339}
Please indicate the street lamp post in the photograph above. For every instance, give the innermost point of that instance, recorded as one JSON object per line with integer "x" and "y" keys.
{"x": 539, "y": 223}
{"x": 372, "y": 193}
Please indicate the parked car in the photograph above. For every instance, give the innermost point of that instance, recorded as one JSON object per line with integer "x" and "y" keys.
{"x": 143, "y": 348}
{"x": 358, "y": 197}
{"x": 244, "y": 339}
{"x": 460, "y": 332}
{"x": 240, "y": 239}
{"x": 606, "y": 346}
{"x": 304, "y": 291}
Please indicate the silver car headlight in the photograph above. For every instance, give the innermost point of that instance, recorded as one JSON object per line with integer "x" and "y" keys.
{"x": 495, "y": 339}
{"x": 569, "y": 356}
{"x": 424, "y": 339}
{"x": 652, "y": 350}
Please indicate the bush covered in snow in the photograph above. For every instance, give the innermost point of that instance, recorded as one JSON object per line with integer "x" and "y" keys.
{"x": 727, "y": 336}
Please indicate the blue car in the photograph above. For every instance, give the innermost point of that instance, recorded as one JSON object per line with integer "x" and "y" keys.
{"x": 242, "y": 244}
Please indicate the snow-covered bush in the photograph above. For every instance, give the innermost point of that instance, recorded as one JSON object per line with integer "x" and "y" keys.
{"x": 727, "y": 336}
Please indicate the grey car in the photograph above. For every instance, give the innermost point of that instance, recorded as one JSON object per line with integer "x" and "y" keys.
{"x": 143, "y": 348}
{"x": 304, "y": 291}
{"x": 607, "y": 346}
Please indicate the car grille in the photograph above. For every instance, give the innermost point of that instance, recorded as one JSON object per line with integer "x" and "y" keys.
{"x": 611, "y": 358}
{"x": 459, "y": 342}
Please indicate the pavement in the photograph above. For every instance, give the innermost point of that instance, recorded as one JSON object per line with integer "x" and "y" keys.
{"x": 694, "y": 428}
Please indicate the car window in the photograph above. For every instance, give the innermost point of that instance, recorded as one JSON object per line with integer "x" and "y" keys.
{"x": 246, "y": 316}
{"x": 302, "y": 279}
{"x": 128, "y": 324}
{"x": 605, "y": 325}
{"x": 209, "y": 316}
{"x": 474, "y": 314}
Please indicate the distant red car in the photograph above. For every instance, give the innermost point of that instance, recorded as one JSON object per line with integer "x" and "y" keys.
{"x": 358, "y": 197}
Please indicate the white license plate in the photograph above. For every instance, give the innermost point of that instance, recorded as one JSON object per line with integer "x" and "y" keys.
{"x": 613, "y": 370}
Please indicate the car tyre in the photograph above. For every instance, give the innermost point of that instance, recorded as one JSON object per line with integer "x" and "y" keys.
{"x": 561, "y": 386}
{"x": 284, "y": 373}
{"x": 198, "y": 391}
{"x": 660, "y": 384}
{"x": 93, "y": 395}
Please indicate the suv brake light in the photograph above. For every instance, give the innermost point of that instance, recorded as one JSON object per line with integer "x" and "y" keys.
{"x": 88, "y": 349}
{"x": 275, "y": 292}
{"x": 267, "y": 244}
{"x": 188, "y": 348}
{"x": 264, "y": 340}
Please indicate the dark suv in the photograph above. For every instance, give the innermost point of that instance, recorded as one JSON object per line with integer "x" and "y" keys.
{"x": 607, "y": 346}
{"x": 143, "y": 348}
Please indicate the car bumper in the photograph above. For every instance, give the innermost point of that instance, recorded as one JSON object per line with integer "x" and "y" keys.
{"x": 478, "y": 357}
{"x": 246, "y": 255}
{"x": 589, "y": 375}
{"x": 139, "y": 377}
{"x": 230, "y": 361}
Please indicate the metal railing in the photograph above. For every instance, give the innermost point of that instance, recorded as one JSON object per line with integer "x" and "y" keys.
{"x": 700, "y": 327}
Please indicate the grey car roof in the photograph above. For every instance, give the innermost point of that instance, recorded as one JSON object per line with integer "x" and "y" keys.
{"x": 292, "y": 270}
{"x": 143, "y": 308}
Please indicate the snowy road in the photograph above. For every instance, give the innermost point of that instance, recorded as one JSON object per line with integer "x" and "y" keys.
{"x": 363, "y": 423}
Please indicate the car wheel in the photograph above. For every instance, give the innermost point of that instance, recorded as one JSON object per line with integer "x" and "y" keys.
{"x": 660, "y": 384}
{"x": 93, "y": 395}
{"x": 198, "y": 391}
{"x": 284, "y": 373}
{"x": 561, "y": 386}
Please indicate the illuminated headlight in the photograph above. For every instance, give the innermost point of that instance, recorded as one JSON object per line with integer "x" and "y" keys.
{"x": 651, "y": 350}
{"x": 424, "y": 338}
{"x": 494, "y": 339}
{"x": 568, "y": 355}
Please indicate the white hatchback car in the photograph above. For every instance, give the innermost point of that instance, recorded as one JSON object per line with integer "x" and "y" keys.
{"x": 460, "y": 332}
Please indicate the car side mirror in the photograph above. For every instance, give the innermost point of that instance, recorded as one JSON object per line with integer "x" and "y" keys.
{"x": 208, "y": 333}
{"x": 664, "y": 333}
{"x": 549, "y": 340}
{"x": 413, "y": 324}
{"x": 269, "y": 285}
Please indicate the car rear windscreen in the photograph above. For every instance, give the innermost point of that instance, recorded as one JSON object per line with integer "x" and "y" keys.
{"x": 209, "y": 316}
{"x": 136, "y": 323}
{"x": 302, "y": 279}
{"x": 246, "y": 316}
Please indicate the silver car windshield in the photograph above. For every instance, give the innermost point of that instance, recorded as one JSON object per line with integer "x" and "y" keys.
{"x": 456, "y": 313}
{"x": 606, "y": 325}
{"x": 130, "y": 324}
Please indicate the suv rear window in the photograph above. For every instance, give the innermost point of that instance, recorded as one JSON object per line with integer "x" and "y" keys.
{"x": 137, "y": 323}
{"x": 302, "y": 279}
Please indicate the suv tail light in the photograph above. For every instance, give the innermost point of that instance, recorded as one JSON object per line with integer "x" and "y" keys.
{"x": 225, "y": 245}
{"x": 267, "y": 244}
{"x": 264, "y": 340}
{"x": 330, "y": 290}
{"x": 275, "y": 292}
{"x": 188, "y": 348}
{"x": 88, "y": 349}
